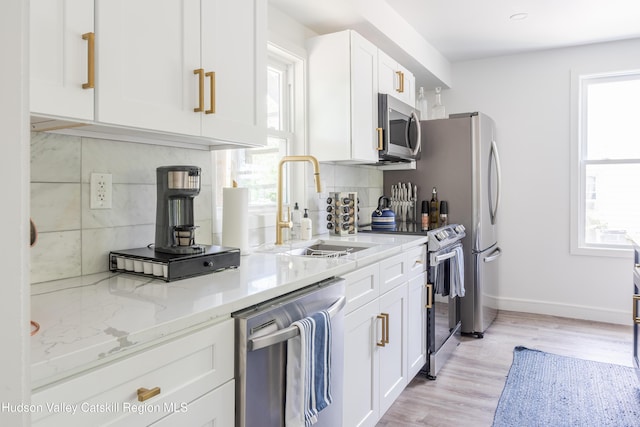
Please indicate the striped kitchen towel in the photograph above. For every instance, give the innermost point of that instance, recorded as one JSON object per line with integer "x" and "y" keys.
{"x": 309, "y": 370}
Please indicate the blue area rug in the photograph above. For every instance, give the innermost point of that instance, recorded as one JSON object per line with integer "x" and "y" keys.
{"x": 544, "y": 389}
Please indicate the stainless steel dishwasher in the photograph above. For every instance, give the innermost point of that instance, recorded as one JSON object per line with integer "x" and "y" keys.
{"x": 262, "y": 333}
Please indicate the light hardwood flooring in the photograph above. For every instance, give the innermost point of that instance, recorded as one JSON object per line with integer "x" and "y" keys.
{"x": 468, "y": 387}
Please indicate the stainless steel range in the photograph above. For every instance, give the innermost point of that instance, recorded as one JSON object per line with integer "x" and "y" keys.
{"x": 445, "y": 287}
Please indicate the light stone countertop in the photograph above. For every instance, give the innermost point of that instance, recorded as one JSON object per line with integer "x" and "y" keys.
{"x": 91, "y": 320}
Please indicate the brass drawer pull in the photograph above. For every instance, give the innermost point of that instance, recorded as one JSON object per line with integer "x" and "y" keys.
{"x": 386, "y": 327}
{"x": 380, "y": 140}
{"x": 91, "y": 43}
{"x": 212, "y": 92}
{"x": 381, "y": 343}
{"x": 429, "y": 287}
{"x": 200, "y": 73}
{"x": 636, "y": 319}
{"x": 144, "y": 394}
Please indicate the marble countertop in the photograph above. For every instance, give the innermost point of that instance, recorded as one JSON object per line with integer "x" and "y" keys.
{"x": 91, "y": 320}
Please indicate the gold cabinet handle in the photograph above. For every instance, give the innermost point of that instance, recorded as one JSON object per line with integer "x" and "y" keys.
{"x": 399, "y": 88}
{"x": 386, "y": 327}
{"x": 144, "y": 394}
{"x": 429, "y": 287}
{"x": 380, "y": 140}
{"x": 212, "y": 93}
{"x": 401, "y": 82}
{"x": 200, "y": 73}
{"x": 383, "y": 341}
{"x": 636, "y": 319}
{"x": 91, "y": 49}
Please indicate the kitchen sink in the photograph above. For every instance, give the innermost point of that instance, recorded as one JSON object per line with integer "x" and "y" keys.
{"x": 324, "y": 249}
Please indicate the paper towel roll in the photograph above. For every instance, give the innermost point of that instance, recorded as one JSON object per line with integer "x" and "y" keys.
{"x": 235, "y": 218}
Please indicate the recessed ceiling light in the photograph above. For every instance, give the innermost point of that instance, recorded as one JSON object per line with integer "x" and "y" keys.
{"x": 519, "y": 16}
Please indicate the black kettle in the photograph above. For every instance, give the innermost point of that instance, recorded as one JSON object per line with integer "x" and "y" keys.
{"x": 383, "y": 218}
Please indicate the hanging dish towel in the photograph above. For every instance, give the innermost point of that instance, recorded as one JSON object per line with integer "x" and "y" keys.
{"x": 309, "y": 370}
{"x": 457, "y": 273}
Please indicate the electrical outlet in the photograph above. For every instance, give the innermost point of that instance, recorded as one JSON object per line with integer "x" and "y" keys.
{"x": 101, "y": 193}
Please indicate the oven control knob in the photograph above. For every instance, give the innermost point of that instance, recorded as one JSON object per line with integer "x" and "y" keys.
{"x": 208, "y": 263}
{"x": 460, "y": 228}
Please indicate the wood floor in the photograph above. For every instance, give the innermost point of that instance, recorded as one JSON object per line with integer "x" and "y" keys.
{"x": 468, "y": 387}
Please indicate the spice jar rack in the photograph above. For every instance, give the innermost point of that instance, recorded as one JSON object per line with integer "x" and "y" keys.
{"x": 343, "y": 213}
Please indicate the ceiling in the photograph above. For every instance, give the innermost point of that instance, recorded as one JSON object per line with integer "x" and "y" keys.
{"x": 470, "y": 29}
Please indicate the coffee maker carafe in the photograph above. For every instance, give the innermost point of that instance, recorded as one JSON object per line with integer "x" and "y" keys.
{"x": 175, "y": 228}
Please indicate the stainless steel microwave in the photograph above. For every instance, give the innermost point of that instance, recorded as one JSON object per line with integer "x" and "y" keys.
{"x": 398, "y": 130}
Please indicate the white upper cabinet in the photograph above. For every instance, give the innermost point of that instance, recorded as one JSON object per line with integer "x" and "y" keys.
{"x": 395, "y": 80}
{"x": 343, "y": 98}
{"x": 59, "y": 63}
{"x": 194, "y": 67}
{"x": 183, "y": 70}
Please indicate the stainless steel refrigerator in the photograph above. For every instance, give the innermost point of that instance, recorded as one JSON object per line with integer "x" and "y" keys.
{"x": 460, "y": 158}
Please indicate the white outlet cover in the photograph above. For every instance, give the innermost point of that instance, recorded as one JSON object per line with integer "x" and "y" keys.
{"x": 101, "y": 191}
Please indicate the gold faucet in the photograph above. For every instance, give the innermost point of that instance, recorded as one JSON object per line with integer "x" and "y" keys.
{"x": 280, "y": 224}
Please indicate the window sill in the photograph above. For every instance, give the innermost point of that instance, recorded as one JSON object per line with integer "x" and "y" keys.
{"x": 602, "y": 251}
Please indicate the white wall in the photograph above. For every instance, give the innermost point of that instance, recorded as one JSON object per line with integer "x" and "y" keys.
{"x": 528, "y": 95}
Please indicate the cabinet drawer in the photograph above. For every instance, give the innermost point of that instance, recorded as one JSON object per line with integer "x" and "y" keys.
{"x": 362, "y": 286}
{"x": 393, "y": 272}
{"x": 183, "y": 369}
{"x": 416, "y": 261}
{"x": 215, "y": 408}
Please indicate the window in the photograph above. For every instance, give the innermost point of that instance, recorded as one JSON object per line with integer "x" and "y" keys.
{"x": 257, "y": 168}
{"x": 607, "y": 161}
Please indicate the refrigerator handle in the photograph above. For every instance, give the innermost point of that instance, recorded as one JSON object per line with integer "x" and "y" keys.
{"x": 496, "y": 158}
{"x": 495, "y": 254}
{"x": 415, "y": 118}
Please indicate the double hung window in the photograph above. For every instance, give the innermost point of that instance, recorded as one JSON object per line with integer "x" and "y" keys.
{"x": 606, "y": 158}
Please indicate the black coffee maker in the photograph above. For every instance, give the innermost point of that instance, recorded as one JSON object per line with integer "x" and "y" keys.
{"x": 177, "y": 187}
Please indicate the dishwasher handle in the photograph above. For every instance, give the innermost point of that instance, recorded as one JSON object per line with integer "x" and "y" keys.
{"x": 290, "y": 332}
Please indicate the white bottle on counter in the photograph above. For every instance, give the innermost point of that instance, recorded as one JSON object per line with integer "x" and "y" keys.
{"x": 306, "y": 226}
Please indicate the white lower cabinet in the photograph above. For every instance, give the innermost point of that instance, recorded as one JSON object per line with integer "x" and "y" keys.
{"x": 382, "y": 348}
{"x": 416, "y": 324}
{"x": 193, "y": 375}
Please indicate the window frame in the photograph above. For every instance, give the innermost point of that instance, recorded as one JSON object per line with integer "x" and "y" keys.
{"x": 580, "y": 80}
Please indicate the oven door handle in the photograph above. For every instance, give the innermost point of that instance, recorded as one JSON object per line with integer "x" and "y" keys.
{"x": 290, "y": 332}
{"x": 437, "y": 259}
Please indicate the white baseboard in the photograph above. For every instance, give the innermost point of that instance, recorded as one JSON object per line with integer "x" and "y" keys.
{"x": 597, "y": 314}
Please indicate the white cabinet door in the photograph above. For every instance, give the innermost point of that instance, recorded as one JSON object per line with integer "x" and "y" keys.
{"x": 234, "y": 48}
{"x": 147, "y": 51}
{"x": 395, "y": 80}
{"x": 361, "y": 387}
{"x": 364, "y": 99}
{"x": 59, "y": 58}
{"x": 343, "y": 98}
{"x": 393, "y": 356}
{"x": 416, "y": 324}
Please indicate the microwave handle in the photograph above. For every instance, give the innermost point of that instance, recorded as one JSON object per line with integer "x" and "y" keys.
{"x": 415, "y": 117}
